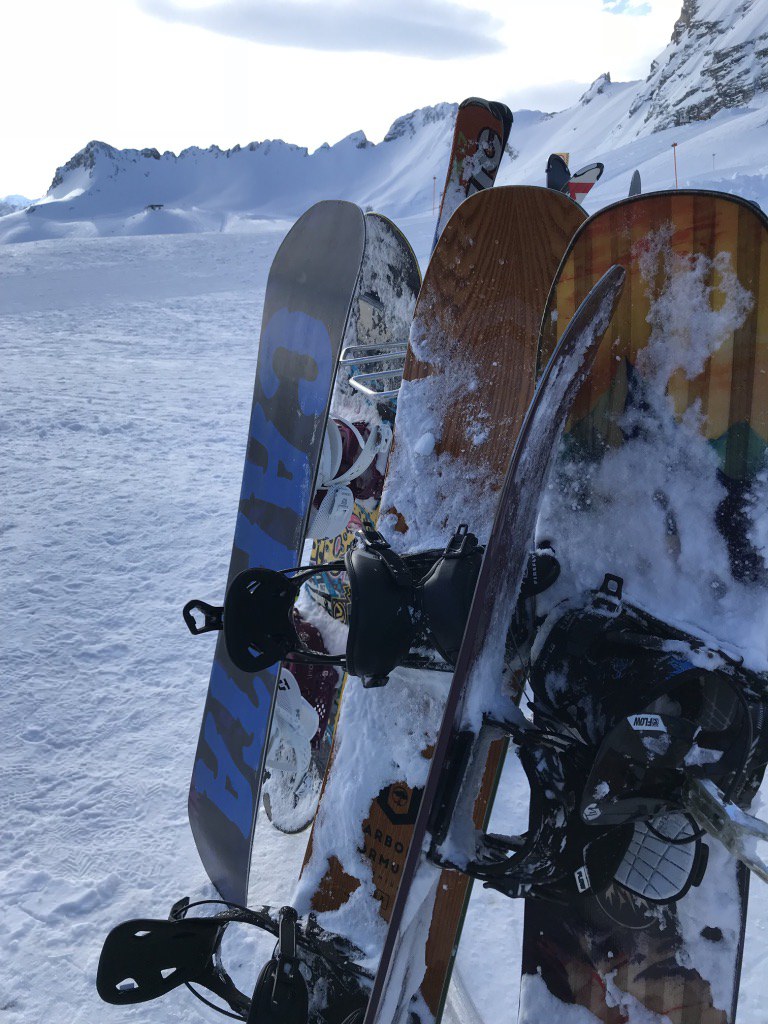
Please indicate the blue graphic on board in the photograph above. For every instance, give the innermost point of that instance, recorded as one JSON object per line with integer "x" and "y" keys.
{"x": 293, "y": 383}
{"x": 229, "y": 788}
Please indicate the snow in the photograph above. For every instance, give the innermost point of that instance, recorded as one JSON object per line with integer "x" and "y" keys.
{"x": 119, "y": 388}
{"x": 128, "y": 344}
{"x": 127, "y": 374}
{"x": 667, "y": 472}
{"x": 413, "y": 722}
{"x": 103, "y": 191}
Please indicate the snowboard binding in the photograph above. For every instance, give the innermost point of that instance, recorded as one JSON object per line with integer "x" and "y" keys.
{"x": 401, "y": 607}
{"x": 292, "y": 777}
{"x": 145, "y": 959}
{"x": 644, "y": 738}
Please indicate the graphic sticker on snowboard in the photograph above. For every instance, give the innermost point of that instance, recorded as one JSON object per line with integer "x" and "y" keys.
{"x": 479, "y": 139}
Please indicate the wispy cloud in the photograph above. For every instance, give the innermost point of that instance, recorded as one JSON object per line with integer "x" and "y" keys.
{"x": 631, "y": 7}
{"x": 435, "y": 29}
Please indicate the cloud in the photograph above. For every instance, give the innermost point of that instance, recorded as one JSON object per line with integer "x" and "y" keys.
{"x": 633, "y": 7}
{"x": 434, "y": 29}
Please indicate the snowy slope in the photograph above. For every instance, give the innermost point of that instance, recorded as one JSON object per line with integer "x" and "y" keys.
{"x": 11, "y": 204}
{"x": 717, "y": 59}
{"x": 127, "y": 376}
{"x": 103, "y": 192}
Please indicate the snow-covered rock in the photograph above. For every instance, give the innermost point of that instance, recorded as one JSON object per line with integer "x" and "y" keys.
{"x": 597, "y": 88}
{"x": 716, "y": 60}
{"x": 12, "y": 203}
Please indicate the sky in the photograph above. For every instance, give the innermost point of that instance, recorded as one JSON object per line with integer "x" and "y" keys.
{"x": 169, "y": 74}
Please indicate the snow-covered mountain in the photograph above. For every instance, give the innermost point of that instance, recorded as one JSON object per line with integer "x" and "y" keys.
{"x": 707, "y": 92}
{"x": 102, "y": 190}
{"x": 716, "y": 60}
{"x": 10, "y": 204}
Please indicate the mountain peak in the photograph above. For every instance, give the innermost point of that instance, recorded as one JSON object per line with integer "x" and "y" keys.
{"x": 407, "y": 125}
{"x": 717, "y": 59}
{"x": 599, "y": 86}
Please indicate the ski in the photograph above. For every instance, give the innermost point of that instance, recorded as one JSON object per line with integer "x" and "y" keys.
{"x": 306, "y": 305}
{"x": 479, "y": 138}
{"x": 635, "y": 185}
{"x": 650, "y": 628}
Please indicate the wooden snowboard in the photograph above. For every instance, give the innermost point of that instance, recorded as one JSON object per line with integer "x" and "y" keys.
{"x": 468, "y": 381}
{"x": 660, "y": 478}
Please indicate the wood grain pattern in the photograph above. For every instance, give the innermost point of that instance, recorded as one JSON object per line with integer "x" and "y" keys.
{"x": 482, "y": 304}
{"x": 539, "y": 231}
{"x": 731, "y": 385}
{"x": 575, "y": 949}
{"x": 477, "y": 321}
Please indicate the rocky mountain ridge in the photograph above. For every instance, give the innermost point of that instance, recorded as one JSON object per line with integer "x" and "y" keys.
{"x": 717, "y": 59}
{"x": 707, "y": 92}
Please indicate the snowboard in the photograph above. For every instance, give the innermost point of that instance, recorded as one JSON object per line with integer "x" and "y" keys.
{"x": 557, "y": 172}
{"x": 479, "y": 137}
{"x": 635, "y": 185}
{"x": 576, "y": 185}
{"x": 467, "y": 382}
{"x": 480, "y": 134}
{"x": 374, "y": 343}
{"x": 583, "y": 181}
{"x": 660, "y": 481}
{"x": 310, "y": 288}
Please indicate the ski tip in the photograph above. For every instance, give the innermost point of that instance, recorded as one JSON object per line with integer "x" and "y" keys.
{"x": 497, "y": 109}
{"x": 594, "y": 171}
{"x": 635, "y": 186}
{"x": 557, "y": 172}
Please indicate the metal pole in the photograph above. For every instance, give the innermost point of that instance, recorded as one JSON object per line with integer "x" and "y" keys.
{"x": 674, "y": 153}
{"x": 434, "y": 192}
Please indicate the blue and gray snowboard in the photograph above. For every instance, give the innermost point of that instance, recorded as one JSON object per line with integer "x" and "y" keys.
{"x": 309, "y": 292}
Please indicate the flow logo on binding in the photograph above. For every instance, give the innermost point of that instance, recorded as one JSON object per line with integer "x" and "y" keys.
{"x": 583, "y": 883}
{"x": 647, "y": 723}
